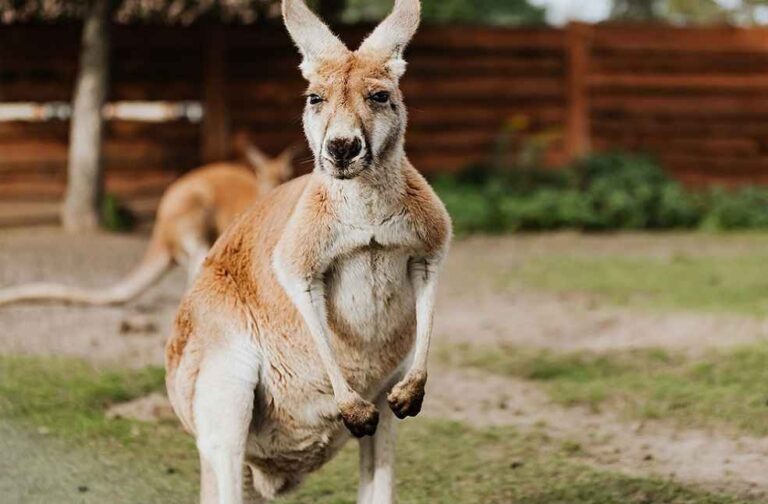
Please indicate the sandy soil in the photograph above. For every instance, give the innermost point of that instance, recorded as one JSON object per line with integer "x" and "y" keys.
{"x": 573, "y": 322}
{"x": 708, "y": 459}
{"x": 476, "y": 306}
{"x": 472, "y": 308}
{"x": 131, "y": 335}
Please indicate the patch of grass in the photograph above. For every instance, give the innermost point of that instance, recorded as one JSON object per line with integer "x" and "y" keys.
{"x": 64, "y": 449}
{"x": 722, "y": 388}
{"x": 439, "y": 462}
{"x": 725, "y": 284}
{"x": 68, "y": 397}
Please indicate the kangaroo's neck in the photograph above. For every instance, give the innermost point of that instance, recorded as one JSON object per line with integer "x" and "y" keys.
{"x": 372, "y": 196}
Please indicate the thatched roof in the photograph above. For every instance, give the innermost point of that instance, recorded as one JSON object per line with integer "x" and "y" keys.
{"x": 131, "y": 11}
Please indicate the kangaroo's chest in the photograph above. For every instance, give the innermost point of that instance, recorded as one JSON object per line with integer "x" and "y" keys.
{"x": 369, "y": 293}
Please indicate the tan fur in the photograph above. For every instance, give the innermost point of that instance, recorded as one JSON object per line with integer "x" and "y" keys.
{"x": 192, "y": 213}
{"x": 313, "y": 311}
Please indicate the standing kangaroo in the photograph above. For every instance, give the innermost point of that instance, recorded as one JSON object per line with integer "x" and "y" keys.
{"x": 314, "y": 310}
{"x": 192, "y": 213}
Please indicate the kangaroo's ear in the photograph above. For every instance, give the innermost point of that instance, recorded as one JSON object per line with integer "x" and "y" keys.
{"x": 391, "y": 37}
{"x": 290, "y": 152}
{"x": 286, "y": 159}
{"x": 314, "y": 39}
{"x": 256, "y": 158}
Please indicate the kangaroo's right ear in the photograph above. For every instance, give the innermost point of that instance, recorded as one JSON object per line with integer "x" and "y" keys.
{"x": 314, "y": 39}
{"x": 290, "y": 152}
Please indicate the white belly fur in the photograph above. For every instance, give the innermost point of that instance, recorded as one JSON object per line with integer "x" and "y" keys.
{"x": 370, "y": 291}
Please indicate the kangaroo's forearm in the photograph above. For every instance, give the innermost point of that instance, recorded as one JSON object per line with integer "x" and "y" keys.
{"x": 309, "y": 298}
{"x": 424, "y": 277}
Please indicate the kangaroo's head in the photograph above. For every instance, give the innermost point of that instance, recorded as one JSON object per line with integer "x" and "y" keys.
{"x": 354, "y": 117}
{"x": 272, "y": 171}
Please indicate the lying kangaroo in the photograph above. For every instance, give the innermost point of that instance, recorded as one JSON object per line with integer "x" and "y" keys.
{"x": 192, "y": 213}
{"x": 314, "y": 310}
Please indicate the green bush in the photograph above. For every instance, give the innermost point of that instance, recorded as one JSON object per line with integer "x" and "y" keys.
{"x": 632, "y": 192}
{"x": 115, "y": 216}
{"x": 745, "y": 208}
{"x": 602, "y": 192}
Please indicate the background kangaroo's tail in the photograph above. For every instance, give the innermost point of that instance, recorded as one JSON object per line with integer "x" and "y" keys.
{"x": 157, "y": 260}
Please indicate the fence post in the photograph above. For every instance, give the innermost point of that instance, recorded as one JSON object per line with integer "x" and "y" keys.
{"x": 215, "y": 141}
{"x": 577, "y": 130}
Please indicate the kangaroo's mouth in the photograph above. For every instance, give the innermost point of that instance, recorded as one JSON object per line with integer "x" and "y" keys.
{"x": 342, "y": 171}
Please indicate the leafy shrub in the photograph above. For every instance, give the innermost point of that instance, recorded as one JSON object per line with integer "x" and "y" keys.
{"x": 602, "y": 192}
{"x": 746, "y": 208}
{"x": 115, "y": 216}
{"x": 632, "y": 192}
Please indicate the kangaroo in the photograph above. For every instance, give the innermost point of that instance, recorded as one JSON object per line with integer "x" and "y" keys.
{"x": 312, "y": 316}
{"x": 192, "y": 213}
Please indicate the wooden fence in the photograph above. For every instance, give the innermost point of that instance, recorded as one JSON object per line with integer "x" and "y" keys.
{"x": 696, "y": 98}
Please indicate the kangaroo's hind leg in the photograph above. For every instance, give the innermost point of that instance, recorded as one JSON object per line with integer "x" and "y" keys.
{"x": 377, "y": 460}
{"x": 223, "y": 407}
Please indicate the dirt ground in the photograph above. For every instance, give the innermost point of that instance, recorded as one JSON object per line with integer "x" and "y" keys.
{"x": 473, "y": 308}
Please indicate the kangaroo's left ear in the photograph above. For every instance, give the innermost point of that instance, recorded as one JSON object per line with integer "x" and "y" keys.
{"x": 255, "y": 157}
{"x": 393, "y": 34}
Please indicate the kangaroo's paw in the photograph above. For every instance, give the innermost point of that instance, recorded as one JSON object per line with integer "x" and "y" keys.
{"x": 406, "y": 397}
{"x": 359, "y": 416}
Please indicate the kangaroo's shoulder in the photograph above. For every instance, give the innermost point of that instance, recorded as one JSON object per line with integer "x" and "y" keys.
{"x": 258, "y": 228}
{"x": 427, "y": 212}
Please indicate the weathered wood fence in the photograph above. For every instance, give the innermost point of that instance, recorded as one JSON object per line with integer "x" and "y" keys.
{"x": 697, "y": 98}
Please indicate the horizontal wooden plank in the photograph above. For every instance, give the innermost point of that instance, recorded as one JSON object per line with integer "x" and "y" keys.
{"x": 129, "y": 152}
{"x": 721, "y": 165}
{"x": 35, "y": 213}
{"x": 659, "y": 61}
{"x": 694, "y": 178}
{"x": 152, "y": 183}
{"x": 680, "y": 82}
{"x": 744, "y": 106}
{"x": 680, "y": 127}
{"x": 681, "y": 39}
{"x": 41, "y": 91}
{"x": 729, "y": 147}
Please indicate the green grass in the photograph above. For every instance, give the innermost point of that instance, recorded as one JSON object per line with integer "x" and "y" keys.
{"x": 725, "y": 388}
{"x": 52, "y": 425}
{"x": 439, "y": 461}
{"x": 68, "y": 397}
{"x": 736, "y": 284}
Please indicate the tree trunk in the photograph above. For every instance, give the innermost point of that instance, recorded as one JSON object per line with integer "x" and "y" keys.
{"x": 81, "y": 208}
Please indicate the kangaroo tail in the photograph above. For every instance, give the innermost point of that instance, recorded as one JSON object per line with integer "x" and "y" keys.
{"x": 157, "y": 260}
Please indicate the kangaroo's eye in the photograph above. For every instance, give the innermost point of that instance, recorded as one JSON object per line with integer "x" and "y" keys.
{"x": 314, "y": 99}
{"x": 380, "y": 97}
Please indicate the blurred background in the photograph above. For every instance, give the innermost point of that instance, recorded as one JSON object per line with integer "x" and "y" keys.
{"x": 602, "y": 318}
{"x": 507, "y": 85}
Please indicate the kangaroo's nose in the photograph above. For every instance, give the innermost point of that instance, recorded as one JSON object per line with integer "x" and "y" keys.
{"x": 343, "y": 150}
